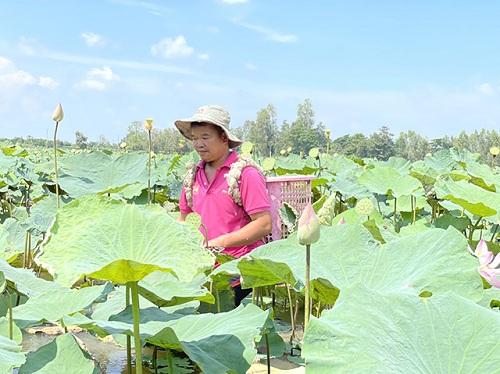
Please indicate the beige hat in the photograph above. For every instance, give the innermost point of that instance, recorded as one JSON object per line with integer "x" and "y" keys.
{"x": 213, "y": 114}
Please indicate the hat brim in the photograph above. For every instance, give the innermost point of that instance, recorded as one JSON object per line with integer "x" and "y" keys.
{"x": 184, "y": 126}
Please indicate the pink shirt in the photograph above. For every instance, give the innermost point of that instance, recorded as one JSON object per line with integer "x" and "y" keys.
{"x": 218, "y": 212}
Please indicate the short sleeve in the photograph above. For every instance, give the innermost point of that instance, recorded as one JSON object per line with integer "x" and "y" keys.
{"x": 183, "y": 205}
{"x": 254, "y": 196}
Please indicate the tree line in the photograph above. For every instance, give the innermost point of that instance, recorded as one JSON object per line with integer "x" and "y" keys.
{"x": 298, "y": 136}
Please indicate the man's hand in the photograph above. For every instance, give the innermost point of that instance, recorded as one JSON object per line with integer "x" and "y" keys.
{"x": 220, "y": 241}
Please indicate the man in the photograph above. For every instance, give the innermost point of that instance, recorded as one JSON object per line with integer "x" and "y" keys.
{"x": 238, "y": 226}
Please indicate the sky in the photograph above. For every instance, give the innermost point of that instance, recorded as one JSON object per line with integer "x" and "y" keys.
{"x": 432, "y": 66}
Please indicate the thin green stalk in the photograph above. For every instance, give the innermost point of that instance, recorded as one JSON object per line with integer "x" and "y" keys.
{"x": 155, "y": 359}
{"x": 55, "y": 164}
{"x": 415, "y": 211}
{"x": 308, "y": 285}
{"x": 292, "y": 319}
{"x": 473, "y": 228}
{"x": 217, "y": 300}
{"x": 268, "y": 353}
{"x": 11, "y": 320}
{"x": 395, "y": 207}
{"x": 129, "y": 343}
{"x": 149, "y": 167}
{"x": 25, "y": 256}
{"x": 170, "y": 361}
{"x": 137, "y": 336}
{"x": 412, "y": 210}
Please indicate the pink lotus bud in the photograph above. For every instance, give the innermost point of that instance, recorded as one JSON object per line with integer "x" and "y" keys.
{"x": 308, "y": 228}
{"x": 341, "y": 221}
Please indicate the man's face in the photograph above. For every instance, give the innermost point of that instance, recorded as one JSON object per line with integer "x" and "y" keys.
{"x": 208, "y": 142}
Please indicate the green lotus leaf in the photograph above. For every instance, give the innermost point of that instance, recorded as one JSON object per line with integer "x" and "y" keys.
{"x": 120, "y": 242}
{"x": 62, "y": 355}
{"x": 339, "y": 164}
{"x": 7, "y": 163}
{"x": 400, "y": 164}
{"x": 10, "y": 355}
{"x": 218, "y": 343}
{"x": 435, "y": 260}
{"x": 404, "y": 203}
{"x": 17, "y": 335}
{"x": 491, "y": 298}
{"x": 293, "y": 164}
{"x": 268, "y": 163}
{"x": 387, "y": 180}
{"x": 424, "y": 173}
{"x": 484, "y": 176}
{"x": 347, "y": 184}
{"x": 370, "y": 331}
{"x": 441, "y": 161}
{"x": 470, "y": 197}
{"x": 68, "y": 301}
{"x": 164, "y": 289}
{"x": 26, "y": 282}
{"x": 12, "y": 237}
{"x": 91, "y": 173}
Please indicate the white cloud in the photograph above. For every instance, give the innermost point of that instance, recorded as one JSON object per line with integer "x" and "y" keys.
{"x": 98, "y": 79}
{"x": 204, "y": 56}
{"x": 5, "y": 63}
{"x": 11, "y": 76}
{"x": 270, "y": 34}
{"x": 172, "y": 48}
{"x": 149, "y": 6}
{"x": 250, "y": 66}
{"x": 47, "y": 82}
{"x": 232, "y": 2}
{"x": 92, "y": 39}
{"x": 486, "y": 89}
{"x": 17, "y": 78}
{"x": 28, "y": 46}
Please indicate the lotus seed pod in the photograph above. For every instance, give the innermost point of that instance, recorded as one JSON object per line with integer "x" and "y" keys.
{"x": 308, "y": 231}
{"x": 494, "y": 151}
{"x": 148, "y": 124}
{"x": 364, "y": 207}
{"x": 58, "y": 114}
{"x": 327, "y": 211}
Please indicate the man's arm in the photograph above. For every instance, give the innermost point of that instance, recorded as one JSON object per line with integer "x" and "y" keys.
{"x": 182, "y": 217}
{"x": 255, "y": 230}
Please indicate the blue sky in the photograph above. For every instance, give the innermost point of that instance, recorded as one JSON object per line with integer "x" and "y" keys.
{"x": 430, "y": 66}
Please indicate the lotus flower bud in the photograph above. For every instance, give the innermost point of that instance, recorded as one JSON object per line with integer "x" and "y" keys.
{"x": 364, "y": 206}
{"x": 123, "y": 145}
{"x": 308, "y": 228}
{"x": 289, "y": 149}
{"x": 58, "y": 114}
{"x": 148, "y": 124}
{"x": 494, "y": 151}
{"x": 282, "y": 152}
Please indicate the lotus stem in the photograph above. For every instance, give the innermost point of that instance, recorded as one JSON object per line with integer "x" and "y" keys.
{"x": 412, "y": 210}
{"x": 308, "y": 285}
{"x": 414, "y": 198}
{"x": 155, "y": 359}
{"x": 395, "y": 206}
{"x": 11, "y": 320}
{"x": 170, "y": 361}
{"x": 268, "y": 353}
{"x": 137, "y": 336}
{"x": 473, "y": 228}
{"x": 55, "y": 164}
{"x": 217, "y": 300}
{"x": 149, "y": 166}
{"x": 129, "y": 343}
{"x": 292, "y": 319}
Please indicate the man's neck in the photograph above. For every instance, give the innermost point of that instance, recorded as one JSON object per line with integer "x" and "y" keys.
{"x": 219, "y": 162}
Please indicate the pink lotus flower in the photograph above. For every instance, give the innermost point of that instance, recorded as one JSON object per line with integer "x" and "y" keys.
{"x": 489, "y": 264}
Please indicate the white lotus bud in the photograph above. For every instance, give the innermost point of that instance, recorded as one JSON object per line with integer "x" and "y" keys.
{"x": 308, "y": 227}
{"x": 58, "y": 114}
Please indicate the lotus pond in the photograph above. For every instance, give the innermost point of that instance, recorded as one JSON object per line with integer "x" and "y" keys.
{"x": 403, "y": 278}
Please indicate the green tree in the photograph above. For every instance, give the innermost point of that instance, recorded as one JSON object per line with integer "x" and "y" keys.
{"x": 411, "y": 146}
{"x": 263, "y": 131}
{"x": 380, "y": 144}
{"x": 81, "y": 141}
